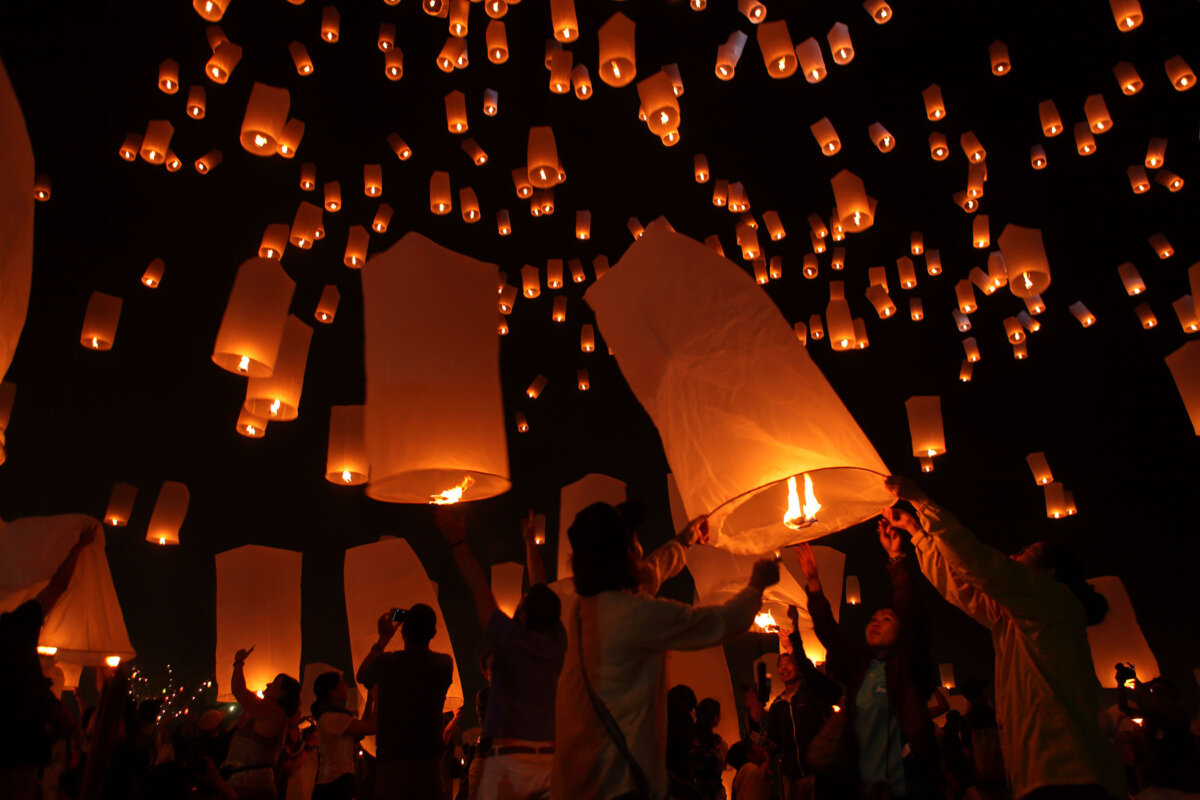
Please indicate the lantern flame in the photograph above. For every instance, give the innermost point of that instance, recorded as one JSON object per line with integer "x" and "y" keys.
{"x": 765, "y": 622}
{"x": 43, "y": 650}
{"x": 797, "y": 516}
{"x": 244, "y": 364}
{"x": 113, "y": 661}
{"x": 260, "y": 140}
{"x": 275, "y": 407}
{"x": 162, "y": 540}
{"x": 346, "y": 476}
{"x": 453, "y": 494}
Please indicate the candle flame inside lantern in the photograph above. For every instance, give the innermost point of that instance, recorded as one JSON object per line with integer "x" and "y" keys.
{"x": 43, "y": 650}
{"x": 346, "y": 476}
{"x": 113, "y": 661}
{"x": 797, "y": 516}
{"x": 244, "y": 364}
{"x": 765, "y": 622}
{"x": 275, "y": 408}
{"x": 453, "y": 494}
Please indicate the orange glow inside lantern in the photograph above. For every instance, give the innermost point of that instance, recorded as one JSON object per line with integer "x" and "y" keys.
{"x": 457, "y": 16}
{"x": 1127, "y": 78}
{"x": 536, "y": 387}
{"x": 998, "y": 53}
{"x": 583, "y": 224}
{"x": 801, "y": 331}
{"x": 305, "y": 225}
{"x": 1081, "y": 313}
{"x": 816, "y": 328}
{"x": 156, "y": 141}
{"x": 981, "y": 236}
{"x": 752, "y": 10}
{"x": 797, "y": 516}
{"x": 393, "y": 64}
{"x": 250, "y": 425}
{"x": 1179, "y": 73}
{"x": 503, "y": 225}
{"x": 879, "y": 10}
{"x": 916, "y": 311}
{"x": 907, "y": 272}
{"x": 838, "y": 260}
{"x": 208, "y": 162}
{"x": 812, "y": 62}
{"x": 933, "y": 262}
{"x": 274, "y": 239}
{"x": 939, "y": 150}
{"x": 531, "y": 285}
{"x": 168, "y": 76}
{"x": 469, "y": 204}
{"x": 826, "y": 136}
{"x": 289, "y": 138}
{"x": 330, "y": 24}
{"x": 300, "y": 58}
{"x": 522, "y": 424}
{"x": 657, "y": 95}
{"x": 221, "y": 64}
{"x": 1098, "y": 118}
{"x": 964, "y": 372}
{"x": 1051, "y": 121}
{"x": 508, "y": 298}
{"x": 120, "y": 506}
{"x": 878, "y": 297}
{"x": 563, "y": 20}
{"x": 561, "y": 64}
{"x": 882, "y": 137}
{"x": 387, "y": 36}
{"x": 1137, "y": 179}
{"x": 308, "y": 177}
{"x": 1185, "y": 310}
{"x": 543, "y": 168}
{"x": 971, "y": 147}
{"x": 170, "y": 509}
{"x": 456, "y": 112}
{"x": 853, "y": 206}
{"x": 1040, "y": 468}
{"x": 1131, "y": 279}
{"x": 774, "y": 225}
{"x": 1161, "y": 246}
{"x": 839, "y": 43}
{"x": 372, "y": 180}
{"x": 210, "y": 10}
{"x": 196, "y": 102}
{"x": 327, "y": 305}
{"x": 1037, "y": 157}
{"x": 357, "y": 240}
{"x": 100, "y": 321}
{"x": 1146, "y": 316}
{"x": 440, "y": 198}
{"x": 582, "y": 380}
{"x": 1126, "y": 13}
{"x": 775, "y": 44}
{"x": 277, "y": 397}
{"x": 587, "y": 339}
{"x": 971, "y": 348}
{"x": 497, "y": 42}
{"x": 1169, "y": 179}
{"x": 152, "y": 277}
{"x": 729, "y": 54}
{"x": 333, "y": 196}
{"x": 252, "y": 327}
{"x": 935, "y": 107}
{"x": 617, "y": 60}
{"x": 346, "y": 458}
{"x": 1056, "y": 502}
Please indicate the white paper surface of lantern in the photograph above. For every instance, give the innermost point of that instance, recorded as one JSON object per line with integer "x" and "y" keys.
{"x": 1184, "y": 364}
{"x": 16, "y": 210}
{"x": 507, "y": 578}
{"x": 575, "y": 497}
{"x": 1119, "y": 638}
{"x": 435, "y": 420}
{"x": 255, "y": 315}
{"x": 170, "y": 510}
{"x": 783, "y": 419}
{"x": 86, "y": 624}
{"x": 258, "y": 603}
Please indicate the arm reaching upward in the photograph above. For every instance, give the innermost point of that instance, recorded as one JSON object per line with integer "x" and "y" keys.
{"x": 450, "y": 521}
{"x": 533, "y": 557}
{"x": 62, "y": 576}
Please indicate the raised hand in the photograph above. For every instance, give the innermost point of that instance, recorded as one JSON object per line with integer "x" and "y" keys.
{"x": 695, "y": 532}
{"x": 89, "y": 533}
{"x": 529, "y": 530}
{"x": 764, "y": 574}
{"x": 898, "y": 518}
{"x": 904, "y": 489}
{"x": 889, "y": 537}
{"x": 450, "y": 522}
{"x": 808, "y": 564}
{"x": 242, "y": 655}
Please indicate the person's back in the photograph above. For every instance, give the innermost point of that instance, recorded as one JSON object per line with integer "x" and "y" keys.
{"x": 412, "y": 694}
{"x": 525, "y": 672}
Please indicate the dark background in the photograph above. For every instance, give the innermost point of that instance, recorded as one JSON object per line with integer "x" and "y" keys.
{"x": 1100, "y": 401}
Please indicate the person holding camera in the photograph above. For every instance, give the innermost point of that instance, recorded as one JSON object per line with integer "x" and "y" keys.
{"x": 412, "y": 692}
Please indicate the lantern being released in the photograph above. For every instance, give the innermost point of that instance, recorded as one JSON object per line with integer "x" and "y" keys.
{"x": 677, "y": 360}
{"x": 434, "y": 419}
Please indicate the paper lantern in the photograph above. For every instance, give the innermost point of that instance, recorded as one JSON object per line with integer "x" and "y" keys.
{"x": 826, "y": 136}
{"x": 1185, "y": 310}
{"x": 120, "y": 505}
{"x": 331, "y": 23}
{"x": 172, "y": 163}
{"x": 508, "y": 297}
{"x": 1156, "y": 153}
{"x": 1034, "y": 304}
{"x": 964, "y": 372}
{"x": 676, "y": 77}
{"x": 258, "y": 603}
{"x": 617, "y": 60}
{"x": 752, "y": 10}
{"x": 812, "y": 63}
{"x": 1184, "y": 364}
{"x": 853, "y": 207}
{"x": 333, "y": 196}
{"x": 576, "y": 267}
{"x": 1131, "y": 279}
{"x": 838, "y": 259}
{"x": 128, "y": 150}
{"x": 1085, "y": 143}
{"x": 373, "y": 179}
{"x": 882, "y": 137}
{"x": 170, "y": 509}
{"x": 152, "y": 277}
{"x": 761, "y": 276}
{"x": 456, "y": 112}
{"x": 503, "y": 225}
{"x": 277, "y": 397}
{"x": 853, "y": 591}
{"x": 1127, "y": 77}
{"x": 521, "y": 184}
{"x": 1161, "y": 246}
{"x": 882, "y": 301}
{"x": 1098, "y": 118}
{"x": 1040, "y": 468}
{"x": 971, "y": 349}
{"x": 916, "y": 310}
{"x": 1031, "y": 324}
{"x": 657, "y": 95}
{"x": 215, "y": 36}
{"x": 1080, "y": 311}
{"x": 981, "y": 237}
{"x": 100, "y": 321}
{"x": 289, "y": 138}
{"x": 1126, "y": 13}
{"x": 346, "y": 460}
{"x": 961, "y": 321}
{"x": 775, "y": 44}
{"x": 998, "y": 54}
{"x": 775, "y": 268}
{"x": 939, "y": 150}
{"x": 837, "y": 315}
{"x": 729, "y": 54}
{"x": 208, "y": 162}
{"x": 496, "y": 8}
{"x": 860, "y": 334}
{"x": 274, "y": 239}
{"x": 1169, "y": 179}
{"x": 168, "y": 76}
{"x": 221, "y": 64}
{"x": 327, "y": 305}
{"x": 357, "y": 239}
{"x": 925, "y": 425}
{"x": 1180, "y": 74}
{"x": 561, "y": 64}
{"x": 536, "y": 387}
{"x": 387, "y": 36}
{"x": 1137, "y": 179}
{"x": 582, "y": 380}
{"x": 453, "y": 56}
{"x": 946, "y": 675}
{"x": 467, "y": 201}
{"x": 250, "y": 425}
{"x": 252, "y": 327}
{"x": 839, "y": 43}
{"x": 554, "y": 273}
{"x": 1146, "y": 316}
{"x": 809, "y": 270}
{"x": 305, "y": 226}
{"x": 587, "y": 339}
{"x": 210, "y": 10}
{"x": 1020, "y": 353}
{"x": 749, "y": 497}
{"x": 196, "y": 102}
{"x": 738, "y": 202}
{"x": 971, "y": 147}
{"x": 1056, "y": 506}
{"x": 635, "y": 227}
{"x": 457, "y": 17}
{"x": 497, "y": 42}
{"x": 563, "y": 20}
{"x": 1025, "y": 260}
{"x": 1013, "y": 330}
{"x": 801, "y": 331}
{"x": 1051, "y": 121}
{"x": 816, "y": 328}
{"x": 308, "y": 177}
{"x": 935, "y": 107}
{"x": 1037, "y": 157}
{"x": 522, "y": 423}
{"x": 156, "y": 141}
{"x": 543, "y": 169}
{"x": 399, "y": 147}
{"x": 448, "y": 443}
{"x": 300, "y": 58}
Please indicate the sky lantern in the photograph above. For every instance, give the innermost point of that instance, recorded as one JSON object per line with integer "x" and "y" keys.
{"x": 837, "y": 315}
{"x": 554, "y": 273}
{"x": 720, "y": 195}
{"x": 559, "y": 311}
{"x": 1013, "y": 330}
{"x": 156, "y": 141}
{"x": 881, "y": 137}
{"x": 810, "y": 267}
{"x": 879, "y": 297}
{"x": 561, "y": 63}
{"x": 530, "y": 281}
{"x": 1128, "y": 78}
{"x": 583, "y": 224}
{"x": 916, "y": 310}
{"x": 775, "y": 268}
{"x": 964, "y": 291}
{"x": 964, "y": 372}
{"x": 1034, "y": 304}
{"x": 1056, "y": 503}
{"x": 879, "y": 10}
{"x": 274, "y": 239}
{"x": 935, "y": 107}
{"x": 208, "y": 162}
{"x": 729, "y": 54}
{"x": 346, "y": 461}
{"x": 907, "y": 272}
{"x": 581, "y": 80}
{"x": 839, "y": 43}
{"x": 761, "y": 276}
{"x": 961, "y": 321}
{"x": 306, "y": 226}
{"x": 1025, "y": 260}
{"x": 536, "y": 387}
{"x": 393, "y": 64}
{"x": 357, "y": 240}
{"x": 440, "y": 197}
{"x": 331, "y": 24}
{"x": 210, "y": 10}
{"x": 496, "y": 8}
{"x": 399, "y": 146}
{"x": 168, "y": 76}
{"x": 172, "y": 163}
{"x": 753, "y": 10}
{"x": 308, "y": 177}
{"x": 196, "y": 102}
{"x": 1185, "y": 310}
{"x": 826, "y": 136}
{"x": 258, "y": 603}
{"x": 861, "y": 342}
{"x": 801, "y": 331}
{"x": 981, "y": 237}
{"x": 1145, "y": 316}
{"x": 774, "y": 225}
{"x": 435, "y": 419}
{"x": 491, "y": 102}
{"x": 333, "y": 196}
{"x": 1184, "y": 364}
{"x": 250, "y": 425}
{"x": 456, "y": 112}
{"x": 854, "y": 209}
{"x": 1131, "y": 279}
{"x": 998, "y": 54}
{"x": 373, "y": 179}
{"x": 1180, "y": 74}
{"x": 1051, "y": 121}
{"x": 152, "y": 277}
{"x": 100, "y": 321}
{"x": 1126, "y": 13}
{"x": 508, "y": 298}
{"x": 971, "y": 348}
{"x": 1040, "y": 468}
{"x": 277, "y": 397}
{"x": 1169, "y": 179}
{"x": 971, "y": 147}
{"x": 252, "y": 327}
{"x": 1085, "y": 143}
{"x": 816, "y": 328}
{"x": 617, "y": 61}
{"x": 587, "y": 339}
{"x": 775, "y": 44}
{"x": 1137, "y": 179}
{"x": 1098, "y": 118}
{"x": 657, "y": 95}
{"x": 300, "y": 58}
{"x": 575, "y": 265}
{"x": 1161, "y": 246}
{"x": 925, "y": 425}
{"x": 503, "y": 224}
{"x": 543, "y": 169}
{"x": 469, "y": 204}
{"x": 1037, "y": 157}
{"x": 521, "y": 184}
{"x": 811, "y": 61}
{"x": 289, "y": 138}
{"x": 120, "y": 505}
{"x": 562, "y": 20}
{"x": 457, "y": 18}
{"x": 1080, "y": 311}
{"x": 169, "y": 511}
{"x": 497, "y": 42}
{"x": 224, "y": 59}
{"x": 939, "y": 149}
{"x": 1156, "y": 153}
{"x": 327, "y": 305}
{"x": 387, "y": 36}
{"x": 933, "y": 262}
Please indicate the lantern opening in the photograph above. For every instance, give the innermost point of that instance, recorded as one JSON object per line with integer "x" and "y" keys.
{"x": 113, "y": 661}
{"x": 346, "y": 476}
{"x": 453, "y": 494}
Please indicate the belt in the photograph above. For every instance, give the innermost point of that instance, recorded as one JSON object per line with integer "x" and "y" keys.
{"x": 516, "y": 749}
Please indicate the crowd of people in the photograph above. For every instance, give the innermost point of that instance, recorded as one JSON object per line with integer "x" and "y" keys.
{"x": 576, "y": 702}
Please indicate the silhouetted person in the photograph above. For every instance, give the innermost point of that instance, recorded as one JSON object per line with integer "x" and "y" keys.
{"x": 250, "y": 767}
{"x": 751, "y": 781}
{"x": 338, "y": 732}
{"x": 708, "y": 754}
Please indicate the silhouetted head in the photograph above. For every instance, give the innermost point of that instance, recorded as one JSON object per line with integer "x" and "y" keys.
{"x": 284, "y": 690}
{"x": 607, "y": 555}
{"x": 331, "y": 692}
{"x": 540, "y": 608}
{"x": 1064, "y": 566}
{"x": 419, "y": 626}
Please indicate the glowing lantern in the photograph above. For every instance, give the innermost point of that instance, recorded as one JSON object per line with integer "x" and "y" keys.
{"x": 172, "y": 163}
{"x": 1034, "y": 304}
{"x": 587, "y": 339}
{"x": 210, "y": 10}
{"x": 152, "y": 277}
{"x": 1128, "y": 78}
{"x": 738, "y": 202}
{"x": 837, "y": 315}
{"x": 469, "y": 204}
{"x": 327, "y": 305}
{"x": 522, "y": 423}
{"x": 1161, "y": 246}
{"x": 289, "y": 138}
{"x": 809, "y": 269}
{"x": 853, "y": 591}
{"x": 196, "y": 102}
{"x": 882, "y": 301}
{"x": 1025, "y": 260}
{"x": 774, "y": 226}
{"x": 826, "y": 136}
{"x": 120, "y": 505}
{"x": 357, "y": 239}
{"x": 221, "y": 64}
{"x": 939, "y": 150}
{"x": 854, "y": 209}
{"x": 208, "y": 162}
{"x": 333, "y": 196}
{"x": 399, "y": 147}
{"x": 1184, "y": 364}
{"x": 882, "y": 137}
{"x": 816, "y": 328}
{"x": 981, "y": 237}
{"x": 562, "y": 20}
{"x": 491, "y": 102}
{"x": 346, "y": 459}
{"x": 1040, "y": 468}
{"x": 801, "y": 331}
{"x": 393, "y": 64}
{"x": 818, "y": 226}
{"x": 1185, "y": 310}
{"x": 277, "y": 397}
{"x": 252, "y": 327}
{"x": 1037, "y": 157}
{"x": 964, "y": 372}
{"x": 266, "y": 580}
{"x": 530, "y": 281}
{"x": 503, "y": 225}
{"x": 155, "y": 142}
{"x": 456, "y": 112}
{"x": 729, "y": 54}
{"x": 581, "y": 81}
{"x": 497, "y": 42}
{"x": 308, "y": 177}
{"x": 100, "y": 321}
{"x": 1126, "y": 13}
{"x": 1098, "y": 118}
{"x": 761, "y": 276}
{"x": 839, "y": 43}
{"x": 1131, "y": 279}
{"x": 972, "y": 148}
{"x": 502, "y": 326}
{"x": 933, "y": 262}
{"x": 300, "y": 58}
{"x": 998, "y": 53}
{"x": 1180, "y": 74}
{"x": 1031, "y": 324}
{"x": 971, "y": 348}
{"x": 330, "y": 24}
{"x": 274, "y": 239}
{"x": 457, "y": 17}
{"x": 554, "y": 273}
{"x": 1056, "y": 504}
{"x": 1137, "y": 179}
{"x": 561, "y": 63}
{"x": 617, "y": 62}
{"x": 657, "y": 95}
{"x": 916, "y": 310}
{"x": 387, "y": 36}
{"x": 811, "y": 61}
{"x": 1169, "y": 179}
{"x": 1156, "y": 153}
{"x": 1051, "y": 121}
{"x": 496, "y": 8}
{"x": 535, "y": 388}
{"x": 935, "y": 107}
{"x": 747, "y": 239}
{"x": 637, "y": 229}
{"x": 1145, "y": 316}
{"x": 720, "y": 194}
{"x": 907, "y": 272}
{"x": 170, "y": 509}
{"x": 877, "y": 276}
{"x": 583, "y": 225}
{"x": 1085, "y": 317}
{"x": 508, "y": 297}
{"x": 838, "y": 259}
{"x": 1013, "y": 330}
{"x": 775, "y": 43}
{"x": 305, "y": 226}
{"x": 543, "y": 169}
{"x": 582, "y": 381}
{"x": 215, "y": 36}
{"x": 168, "y": 76}
{"x": 250, "y": 425}
{"x": 860, "y": 334}
{"x": 946, "y": 674}
{"x": 1085, "y": 143}
{"x": 961, "y": 321}
{"x": 576, "y": 267}
{"x": 373, "y": 180}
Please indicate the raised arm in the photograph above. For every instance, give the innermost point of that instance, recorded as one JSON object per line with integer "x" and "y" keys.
{"x": 450, "y": 522}
{"x": 841, "y": 652}
{"x": 248, "y": 699}
{"x": 949, "y": 584}
{"x": 533, "y": 557}
{"x": 367, "y": 669}
{"x": 88, "y": 528}
{"x": 669, "y": 560}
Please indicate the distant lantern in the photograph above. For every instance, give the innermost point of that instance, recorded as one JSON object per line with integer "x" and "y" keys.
{"x": 250, "y": 425}
{"x": 156, "y": 141}
{"x": 502, "y": 325}
{"x": 543, "y": 168}
{"x": 536, "y": 387}
{"x": 1085, "y": 143}
{"x": 576, "y": 268}
{"x": 775, "y": 44}
{"x": 587, "y": 339}
{"x": 277, "y": 397}
{"x": 1051, "y": 121}
{"x": 720, "y": 195}
{"x": 809, "y": 268}
{"x": 964, "y": 371}
{"x": 916, "y": 310}
{"x": 168, "y": 76}
{"x": 879, "y": 10}
{"x": 961, "y": 321}
{"x": 387, "y": 36}
{"x": 935, "y": 107}
{"x": 773, "y": 225}
{"x": 853, "y": 590}
{"x": 252, "y": 327}
{"x": 554, "y": 273}
{"x": 775, "y": 267}
{"x": 916, "y": 243}
{"x": 1145, "y": 316}
{"x": 531, "y": 285}
{"x": 761, "y": 276}
{"x": 907, "y": 272}
{"x": 933, "y": 262}
{"x": 1161, "y": 246}
{"x": 561, "y": 64}
{"x": 971, "y": 147}
{"x": 1185, "y": 311}
{"x": 210, "y": 10}
{"x": 925, "y": 425}
{"x": 346, "y": 458}
{"x": 801, "y": 331}
{"x": 521, "y": 184}
{"x": 657, "y": 95}
{"x": 327, "y": 305}
{"x": 1098, "y": 118}
{"x": 173, "y": 164}
{"x": 1180, "y": 74}
{"x": 1031, "y": 324}
{"x": 399, "y": 147}
{"x": 1128, "y": 78}
{"x": 1131, "y": 279}
{"x": 1080, "y": 311}
{"x": 495, "y": 8}
{"x": 1056, "y": 504}
{"x": 816, "y": 328}
{"x": 861, "y": 342}
{"x": 1156, "y": 153}
{"x": 440, "y": 197}
{"x": 393, "y": 64}
{"x": 1037, "y": 157}
{"x": 939, "y": 150}
{"x": 372, "y": 180}
{"x": 971, "y": 348}
{"x": 1169, "y": 179}
{"x": 617, "y": 61}
{"x": 964, "y": 290}
{"x": 1137, "y": 179}
{"x": 331, "y": 23}
{"x": 998, "y": 53}
{"x": 456, "y": 112}
{"x": 357, "y": 240}
{"x": 1126, "y": 13}
{"x": 817, "y": 225}
{"x": 152, "y": 277}
{"x": 333, "y": 196}
{"x": 491, "y": 102}
{"x": 1013, "y": 330}
{"x": 508, "y": 297}
{"x": 120, "y": 505}
{"x": 305, "y": 226}
{"x": 274, "y": 239}
{"x": 558, "y": 312}
{"x": 837, "y": 317}
{"x": 300, "y": 58}
{"x": 1025, "y": 260}
{"x": 308, "y": 177}
{"x": 289, "y": 138}
{"x": 497, "y": 42}
{"x": 522, "y": 423}
{"x": 170, "y": 509}
{"x": 583, "y": 224}
{"x": 563, "y": 20}
{"x": 581, "y": 81}
{"x": 196, "y": 102}
{"x": 457, "y": 18}
{"x": 729, "y": 54}
{"x": 1034, "y": 304}
{"x": 208, "y": 162}
{"x": 839, "y": 43}
{"x": 1040, "y": 468}
{"x": 854, "y": 208}
{"x": 503, "y": 224}
{"x": 100, "y": 321}
{"x": 881, "y": 137}
{"x": 838, "y": 259}
{"x": 221, "y": 64}
{"x": 811, "y": 61}
{"x": 878, "y": 297}
{"x": 738, "y": 201}
{"x": 981, "y": 236}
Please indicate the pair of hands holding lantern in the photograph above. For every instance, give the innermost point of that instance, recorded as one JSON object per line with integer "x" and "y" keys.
{"x": 765, "y": 572}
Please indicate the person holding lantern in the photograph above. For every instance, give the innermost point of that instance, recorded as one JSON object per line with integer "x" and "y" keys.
{"x": 1038, "y": 607}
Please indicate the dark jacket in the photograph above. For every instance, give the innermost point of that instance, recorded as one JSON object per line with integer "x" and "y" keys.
{"x": 792, "y": 725}
{"x": 911, "y": 676}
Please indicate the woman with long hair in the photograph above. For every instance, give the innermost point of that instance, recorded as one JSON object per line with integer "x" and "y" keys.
{"x": 254, "y": 750}
{"x": 338, "y": 731}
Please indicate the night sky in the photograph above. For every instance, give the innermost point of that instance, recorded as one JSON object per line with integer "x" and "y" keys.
{"x": 1099, "y": 401}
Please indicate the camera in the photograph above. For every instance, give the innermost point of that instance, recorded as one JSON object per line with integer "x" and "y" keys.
{"x": 398, "y": 614}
